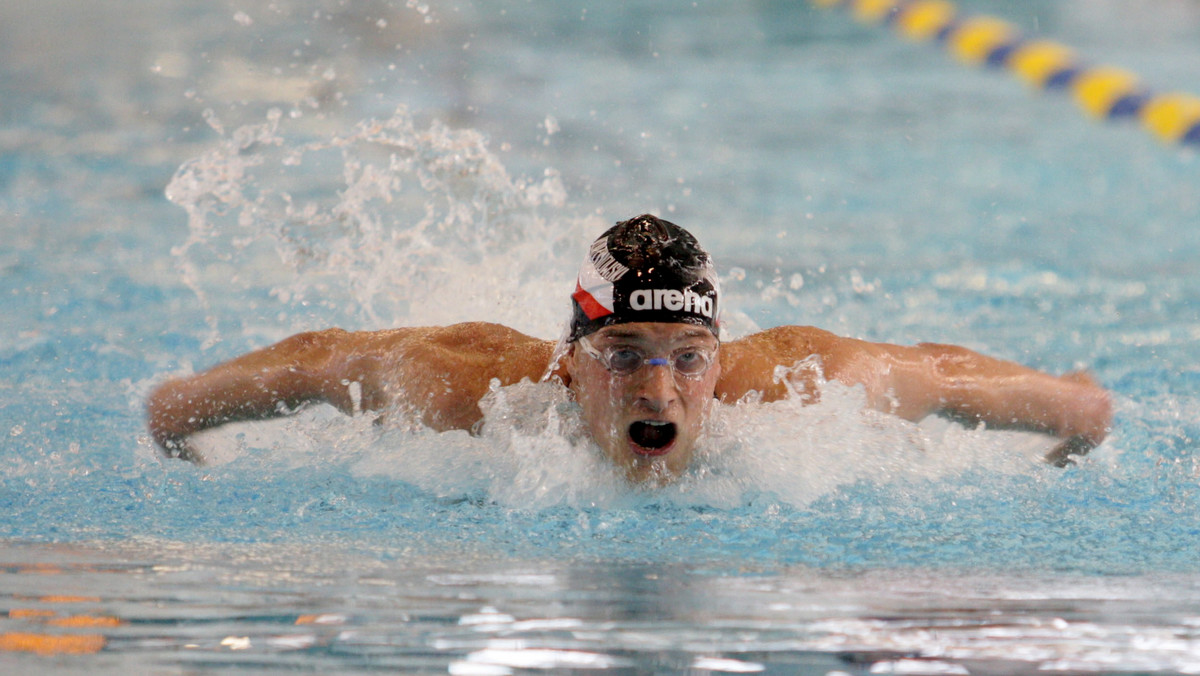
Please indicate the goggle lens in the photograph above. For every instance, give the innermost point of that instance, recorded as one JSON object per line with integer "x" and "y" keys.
{"x": 688, "y": 362}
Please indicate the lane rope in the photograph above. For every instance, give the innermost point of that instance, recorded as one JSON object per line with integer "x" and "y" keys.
{"x": 1103, "y": 92}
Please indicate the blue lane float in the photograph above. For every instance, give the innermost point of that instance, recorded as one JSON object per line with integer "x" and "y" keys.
{"x": 1101, "y": 91}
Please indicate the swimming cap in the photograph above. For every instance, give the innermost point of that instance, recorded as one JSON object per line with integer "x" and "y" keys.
{"x": 645, "y": 270}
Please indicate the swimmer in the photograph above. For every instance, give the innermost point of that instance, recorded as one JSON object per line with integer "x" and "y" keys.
{"x": 641, "y": 357}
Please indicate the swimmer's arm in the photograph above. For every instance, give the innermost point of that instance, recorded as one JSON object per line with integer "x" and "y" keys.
{"x": 927, "y": 379}
{"x": 271, "y": 382}
{"x": 436, "y": 374}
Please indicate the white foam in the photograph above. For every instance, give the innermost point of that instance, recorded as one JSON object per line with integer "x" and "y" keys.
{"x": 531, "y": 452}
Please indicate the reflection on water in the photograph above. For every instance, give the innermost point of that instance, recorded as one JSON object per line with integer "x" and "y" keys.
{"x": 325, "y": 607}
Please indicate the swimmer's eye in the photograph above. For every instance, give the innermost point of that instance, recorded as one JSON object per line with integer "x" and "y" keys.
{"x": 690, "y": 363}
{"x": 624, "y": 361}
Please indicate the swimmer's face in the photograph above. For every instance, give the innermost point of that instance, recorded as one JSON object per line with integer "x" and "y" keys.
{"x": 647, "y": 422}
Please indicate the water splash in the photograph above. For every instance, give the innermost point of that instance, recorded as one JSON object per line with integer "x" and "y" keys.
{"x": 531, "y": 453}
{"x": 425, "y": 226}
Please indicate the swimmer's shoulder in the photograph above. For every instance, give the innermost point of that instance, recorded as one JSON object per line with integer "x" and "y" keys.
{"x": 781, "y": 342}
{"x": 749, "y": 364}
{"x": 482, "y": 349}
{"x": 465, "y": 336}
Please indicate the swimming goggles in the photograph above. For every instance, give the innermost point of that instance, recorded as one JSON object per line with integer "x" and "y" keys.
{"x": 689, "y": 362}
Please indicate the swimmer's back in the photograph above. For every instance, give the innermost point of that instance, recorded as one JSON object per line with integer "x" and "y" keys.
{"x": 439, "y": 372}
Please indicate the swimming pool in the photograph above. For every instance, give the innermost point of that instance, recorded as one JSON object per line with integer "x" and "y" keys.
{"x": 252, "y": 169}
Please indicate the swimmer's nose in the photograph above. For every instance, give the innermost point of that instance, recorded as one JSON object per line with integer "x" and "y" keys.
{"x": 656, "y": 386}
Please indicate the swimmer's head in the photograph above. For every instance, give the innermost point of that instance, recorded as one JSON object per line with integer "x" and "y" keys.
{"x": 645, "y": 270}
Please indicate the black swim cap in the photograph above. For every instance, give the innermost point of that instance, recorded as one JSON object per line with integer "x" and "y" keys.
{"x": 645, "y": 270}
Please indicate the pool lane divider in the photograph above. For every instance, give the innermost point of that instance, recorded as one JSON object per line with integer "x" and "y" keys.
{"x": 1102, "y": 92}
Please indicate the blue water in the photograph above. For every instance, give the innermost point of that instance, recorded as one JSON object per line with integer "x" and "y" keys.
{"x": 253, "y": 169}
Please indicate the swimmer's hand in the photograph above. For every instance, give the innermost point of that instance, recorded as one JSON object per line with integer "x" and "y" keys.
{"x": 268, "y": 383}
{"x": 180, "y": 448}
{"x": 1092, "y": 421}
{"x": 1063, "y": 455}
{"x": 171, "y": 424}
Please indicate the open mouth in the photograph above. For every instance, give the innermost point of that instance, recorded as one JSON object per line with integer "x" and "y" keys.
{"x": 652, "y": 437}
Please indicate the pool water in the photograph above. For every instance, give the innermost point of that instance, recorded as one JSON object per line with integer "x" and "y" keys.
{"x": 247, "y": 170}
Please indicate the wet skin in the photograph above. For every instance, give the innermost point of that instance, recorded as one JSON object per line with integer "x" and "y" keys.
{"x": 647, "y": 423}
